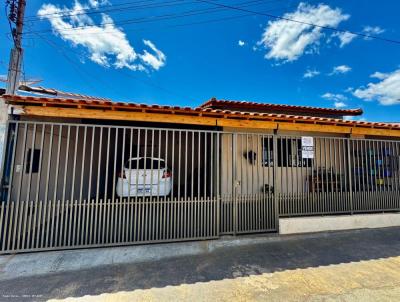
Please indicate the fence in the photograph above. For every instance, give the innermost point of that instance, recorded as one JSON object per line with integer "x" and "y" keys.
{"x": 68, "y": 185}
{"x": 28, "y": 226}
{"x": 342, "y": 176}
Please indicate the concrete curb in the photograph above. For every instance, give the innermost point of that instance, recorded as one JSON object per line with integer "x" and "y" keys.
{"x": 42, "y": 263}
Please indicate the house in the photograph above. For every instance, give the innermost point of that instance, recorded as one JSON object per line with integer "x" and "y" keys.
{"x": 234, "y": 167}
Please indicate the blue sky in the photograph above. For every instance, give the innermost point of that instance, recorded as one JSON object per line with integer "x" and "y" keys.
{"x": 123, "y": 55}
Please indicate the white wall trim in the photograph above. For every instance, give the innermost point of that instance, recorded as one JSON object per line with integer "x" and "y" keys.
{"x": 298, "y": 225}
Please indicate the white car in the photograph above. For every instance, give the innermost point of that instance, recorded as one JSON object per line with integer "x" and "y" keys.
{"x": 143, "y": 177}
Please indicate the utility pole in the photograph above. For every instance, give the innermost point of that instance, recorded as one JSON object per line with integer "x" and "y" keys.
{"x": 16, "y": 15}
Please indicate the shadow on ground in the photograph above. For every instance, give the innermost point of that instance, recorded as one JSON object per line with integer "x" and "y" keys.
{"x": 224, "y": 263}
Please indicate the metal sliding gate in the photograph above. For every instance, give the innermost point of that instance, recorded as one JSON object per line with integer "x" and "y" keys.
{"x": 72, "y": 185}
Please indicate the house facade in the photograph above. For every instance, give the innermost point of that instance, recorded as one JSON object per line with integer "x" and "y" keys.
{"x": 232, "y": 167}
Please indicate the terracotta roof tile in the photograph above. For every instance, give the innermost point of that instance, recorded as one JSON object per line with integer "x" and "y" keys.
{"x": 244, "y": 105}
{"x": 218, "y": 113}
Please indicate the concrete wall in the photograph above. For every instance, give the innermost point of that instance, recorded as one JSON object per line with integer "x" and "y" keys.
{"x": 336, "y": 223}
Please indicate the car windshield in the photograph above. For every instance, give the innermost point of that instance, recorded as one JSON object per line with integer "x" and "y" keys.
{"x": 141, "y": 163}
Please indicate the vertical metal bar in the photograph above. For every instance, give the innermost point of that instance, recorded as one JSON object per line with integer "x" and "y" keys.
{"x": 198, "y": 164}
{"x": 379, "y": 163}
{"x": 89, "y": 193}
{"x": 66, "y": 161}
{"x": 179, "y": 165}
{"x": 98, "y": 214}
{"x": 206, "y": 200}
{"x": 335, "y": 164}
{"x": 83, "y": 162}
{"x": 173, "y": 164}
{"x": 12, "y": 168}
{"x": 50, "y": 221}
{"x": 28, "y": 191}
{"x": 22, "y": 163}
{"x": 274, "y": 172}
{"x": 64, "y": 221}
{"x": 34, "y": 213}
{"x": 3, "y": 205}
{"x": 350, "y": 177}
{"x": 157, "y": 220}
{"x": 57, "y": 221}
{"x": 107, "y": 166}
{"x": 57, "y": 162}
{"x": 113, "y": 199}
{"x": 137, "y": 212}
{"x": 12, "y": 222}
{"x": 363, "y": 172}
{"x": 165, "y": 203}
{"x": 121, "y": 228}
{"x": 151, "y": 204}
{"x": 185, "y": 168}
{"x": 293, "y": 168}
{"x": 73, "y": 214}
{"x": 234, "y": 175}
{"x": 74, "y": 167}
{"x": 130, "y": 203}
{"x": 40, "y": 225}
{"x": 144, "y": 207}
{"x": 115, "y": 167}
{"x": 331, "y": 168}
{"x": 367, "y": 171}
{"x": 218, "y": 185}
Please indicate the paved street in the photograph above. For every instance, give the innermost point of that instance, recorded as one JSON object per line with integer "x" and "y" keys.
{"x": 346, "y": 266}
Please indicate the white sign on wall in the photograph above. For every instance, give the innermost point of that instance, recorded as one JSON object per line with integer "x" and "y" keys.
{"x": 307, "y": 147}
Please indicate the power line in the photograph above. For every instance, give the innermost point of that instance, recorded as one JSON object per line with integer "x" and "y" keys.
{"x": 79, "y": 70}
{"x": 159, "y": 17}
{"x": 298, "y": 21}
{"x": 95, "y": 9}
{"x": 114, "y": 9}
{"x": 214, "y": 20}
{"x": 72, "y": 63}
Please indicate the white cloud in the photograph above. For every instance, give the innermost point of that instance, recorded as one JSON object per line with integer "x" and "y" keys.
{"x": 379, "y": 75}
{"x": 334, "y": 97}
{"x": 349, "y": 118}
{"x": 386, "y": 92}
{"x": 107, "y": 44}
{"x": 372, "y": 30}
{"x": 156, "y": 61}
{"x": 339, "y": 105}
{"x": 310, "y": 73}
{"x": 287, "y": 41}
{"x": 241, "y": 43}
{"x": 344, "y": 38}
{"x": 355, "y": 119}
{"x": 96, "y": 3}
{"x": 340, "y": 69}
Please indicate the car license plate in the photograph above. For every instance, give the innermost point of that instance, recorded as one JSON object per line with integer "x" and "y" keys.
{"x": 146, "y": 190}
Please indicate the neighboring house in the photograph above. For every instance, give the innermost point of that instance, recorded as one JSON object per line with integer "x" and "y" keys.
{"x": 235, "y": 167}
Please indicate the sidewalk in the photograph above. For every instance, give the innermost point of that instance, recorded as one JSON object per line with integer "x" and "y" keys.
{"x": 349, "y": 266}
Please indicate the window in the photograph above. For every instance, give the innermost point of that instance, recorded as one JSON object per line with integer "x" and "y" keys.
{"x": 149, "y": 163}
{"x": 289, "y": 153}
{"x": 35, "y": 161}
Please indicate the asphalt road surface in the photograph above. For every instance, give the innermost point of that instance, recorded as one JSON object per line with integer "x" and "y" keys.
{"x": 345, "y": 266}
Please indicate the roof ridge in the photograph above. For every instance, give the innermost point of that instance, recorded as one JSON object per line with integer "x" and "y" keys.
{"x": 215, "y": 101}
